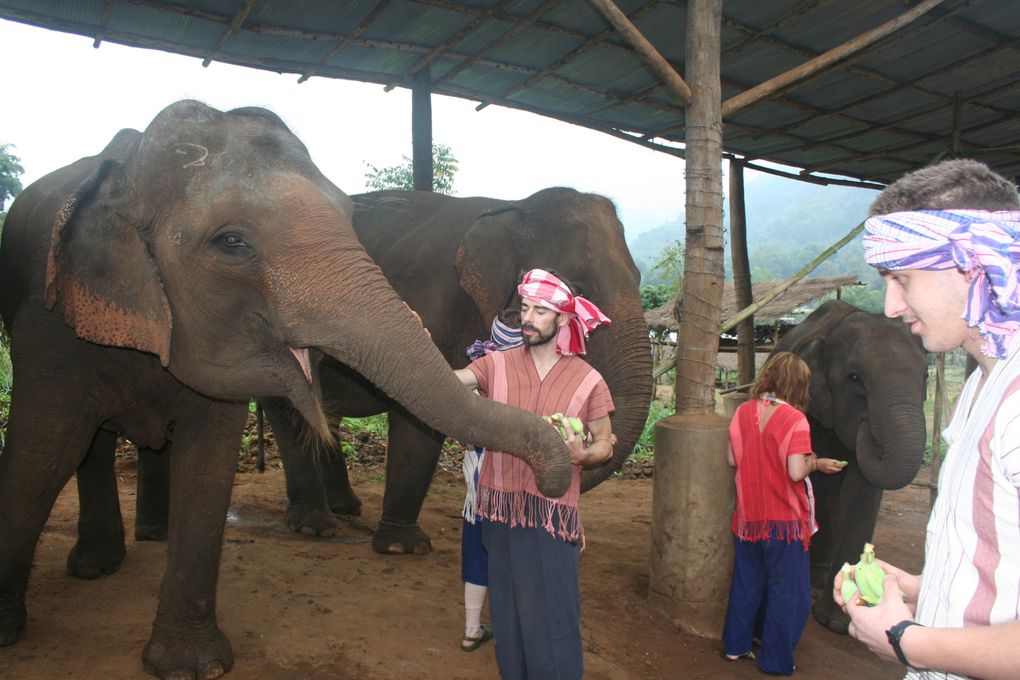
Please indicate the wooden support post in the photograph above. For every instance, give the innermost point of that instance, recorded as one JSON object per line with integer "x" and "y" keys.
{"x": 741, "y": 273}
{"x": 645, "y": 50}
{"x": 692, "y": 500}
{"x": 823, "y": 61}
{"x": 701, "y": 303}
{"x": 421, "y": 130}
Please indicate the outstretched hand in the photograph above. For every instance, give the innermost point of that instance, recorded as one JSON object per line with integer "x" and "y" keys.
{"x": 829, "y": 466}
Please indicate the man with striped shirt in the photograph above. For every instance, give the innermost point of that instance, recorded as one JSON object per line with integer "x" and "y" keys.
{"x": 534, "y": 541}
{"x": 946, "y": 239}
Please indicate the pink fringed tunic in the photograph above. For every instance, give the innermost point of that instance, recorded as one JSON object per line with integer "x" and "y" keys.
{"x": 506, "y": 487}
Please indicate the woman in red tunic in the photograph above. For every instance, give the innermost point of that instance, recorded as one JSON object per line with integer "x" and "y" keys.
{"x": 770, "y": 446}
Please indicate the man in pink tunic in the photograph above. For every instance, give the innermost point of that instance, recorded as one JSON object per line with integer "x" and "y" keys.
{"x": 534, "y": 541}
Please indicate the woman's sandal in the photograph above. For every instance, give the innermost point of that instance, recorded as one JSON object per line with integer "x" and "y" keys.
{"x": 470, "y": 644}
{"x": 746, "y": 655}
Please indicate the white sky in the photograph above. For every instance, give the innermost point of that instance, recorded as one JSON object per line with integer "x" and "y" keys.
{"x": 63, "y": 99}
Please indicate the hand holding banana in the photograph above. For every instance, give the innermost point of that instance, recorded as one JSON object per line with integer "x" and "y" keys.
{"x": 866, "y": 577}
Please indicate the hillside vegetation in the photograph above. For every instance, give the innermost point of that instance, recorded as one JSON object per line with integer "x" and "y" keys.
{"x": 789, "y": 223}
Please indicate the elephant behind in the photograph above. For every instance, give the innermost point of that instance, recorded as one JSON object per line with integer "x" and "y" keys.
{"x": 457, "y": 262}
{"x": 868, "y": 376}
{"x": 149, "y": 291}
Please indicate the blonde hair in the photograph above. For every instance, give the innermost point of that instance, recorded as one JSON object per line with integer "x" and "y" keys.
{"x": 787, "y": 376}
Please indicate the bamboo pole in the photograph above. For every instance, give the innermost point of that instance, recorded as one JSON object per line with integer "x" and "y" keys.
{"x": 645, "y": 50}
{"x": 781, "y": 288}
{"x": 665, "y": 366}
{"x": 823, "y": 61}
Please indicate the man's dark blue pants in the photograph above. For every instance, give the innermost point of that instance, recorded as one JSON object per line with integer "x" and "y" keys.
{"x": 535, "y": 603}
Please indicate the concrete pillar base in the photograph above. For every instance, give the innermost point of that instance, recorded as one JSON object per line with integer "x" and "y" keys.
{"x": 692, "y": 547}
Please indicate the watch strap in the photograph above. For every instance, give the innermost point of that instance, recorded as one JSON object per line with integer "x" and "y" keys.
{"x": 895, "y": 634}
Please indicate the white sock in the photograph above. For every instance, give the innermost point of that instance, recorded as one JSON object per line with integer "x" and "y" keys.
{"x": 474, "y": 598}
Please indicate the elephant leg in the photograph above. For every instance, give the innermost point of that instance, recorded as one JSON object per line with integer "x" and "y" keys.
{"x": 827, "y": 490}
{"x": 339, "y": 492}
{"x": 153, "y": 500}
{"x": 186, "y": 641}
{"x": 48, "y": 436}
{"x": 307, "y": 508}
{"x": 412, "y": 452}
{"x": 99, "y": 550}
{"x": 858, "y": 507}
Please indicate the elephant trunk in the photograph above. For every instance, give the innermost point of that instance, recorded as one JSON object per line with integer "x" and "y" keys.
{"x": 891, "y": 441}
{"x": 374, "y": 332}
{"x": 628, "y": 373}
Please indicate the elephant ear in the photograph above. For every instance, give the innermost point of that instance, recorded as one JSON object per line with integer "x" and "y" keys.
{"x": 487, "y": 260}
{"x": 99, "y": 267}
{"x": 820, "y": 407}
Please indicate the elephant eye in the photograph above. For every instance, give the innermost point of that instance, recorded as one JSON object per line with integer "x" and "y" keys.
{"x": 853, "y": 377}
{"x": 231, "y": 242}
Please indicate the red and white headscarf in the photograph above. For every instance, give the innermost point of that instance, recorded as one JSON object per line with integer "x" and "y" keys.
{"x": 547, "y": 290}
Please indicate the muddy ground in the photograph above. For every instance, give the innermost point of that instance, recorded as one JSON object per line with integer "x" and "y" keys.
{"x": 296, "y": 608}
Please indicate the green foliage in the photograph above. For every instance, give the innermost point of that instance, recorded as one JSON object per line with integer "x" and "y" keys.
{"x": 668, "y": 269}
{"x": 376, "y": 425}
{"x": 654, "y": 295}
{"x": 10, "y": 171}
{"x": 401, "y": 177}
{"x": 247, "y": 446}
{"x": 646, "y": 442}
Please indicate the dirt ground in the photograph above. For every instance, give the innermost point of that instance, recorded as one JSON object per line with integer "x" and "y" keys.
{"x": 296, "y": 608}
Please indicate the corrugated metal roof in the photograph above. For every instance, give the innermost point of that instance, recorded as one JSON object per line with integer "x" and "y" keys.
{"x": 872, "y": 116}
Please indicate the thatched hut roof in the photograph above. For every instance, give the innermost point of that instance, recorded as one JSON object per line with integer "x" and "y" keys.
{"x": 800, "y": 293}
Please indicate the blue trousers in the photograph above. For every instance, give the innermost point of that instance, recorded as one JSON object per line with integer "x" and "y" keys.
{"x": 535, "y": 602}
{"x": 474, "y": 562}
{"x": 770, "y": 598}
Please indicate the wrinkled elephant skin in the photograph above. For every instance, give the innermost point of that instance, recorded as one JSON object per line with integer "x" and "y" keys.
{"x": 150, "y": 291}
{"x": 867, "y": 407}
{"x": 457, "y": 261}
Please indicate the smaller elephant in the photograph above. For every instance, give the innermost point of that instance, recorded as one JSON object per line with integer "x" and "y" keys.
{"x": 868, "y": 378}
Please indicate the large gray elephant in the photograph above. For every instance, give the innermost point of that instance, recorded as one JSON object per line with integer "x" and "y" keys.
{"x": 150, "y": 291}
{"x": 868, "y": 378}
{"x": 457, "y": 262}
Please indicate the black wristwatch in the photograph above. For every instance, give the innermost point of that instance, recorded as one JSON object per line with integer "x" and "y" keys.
{"x": 895, "y": 634}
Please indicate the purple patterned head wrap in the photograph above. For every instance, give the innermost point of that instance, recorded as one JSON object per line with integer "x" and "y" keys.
{"x": 503, "y": 338}
{"x": 982, "y": 244}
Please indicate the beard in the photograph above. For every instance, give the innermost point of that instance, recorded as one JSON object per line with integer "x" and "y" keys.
{"x": 540, "y": 338}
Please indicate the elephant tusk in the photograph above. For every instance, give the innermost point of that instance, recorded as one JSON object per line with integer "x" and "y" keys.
{"x": 304, "y": 361}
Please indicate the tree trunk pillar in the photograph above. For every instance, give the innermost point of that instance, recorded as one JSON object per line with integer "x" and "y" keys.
{"x": 741, "y": 274}
{"x": 692, "y": 550}
{"x": 421, "y": 130}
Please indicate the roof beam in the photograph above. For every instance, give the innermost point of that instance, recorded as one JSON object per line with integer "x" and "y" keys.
{"x": 645, "y": 50}
{"x": 825, "y": 60}
{"x": 342, "y": 44}
{"x": 235, "y": 24}
{"x": 457, "y": 37}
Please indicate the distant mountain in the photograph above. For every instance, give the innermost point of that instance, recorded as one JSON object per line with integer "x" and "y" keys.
{"x": 788, "y": 224}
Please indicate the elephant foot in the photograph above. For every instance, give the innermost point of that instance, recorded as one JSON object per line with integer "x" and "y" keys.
{"x": 150, "y": 532}
{"x": 392, "y": 538}
{"x": 12, "y": 622}
{"x": 312, "y": 523}
{"x": 200, "y": 654}
{"x": 348, "y": 506}
{"x": 827, "y": 613}
{"x": 95, "y": 556}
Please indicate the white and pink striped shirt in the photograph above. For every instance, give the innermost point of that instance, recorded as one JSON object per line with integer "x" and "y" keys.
{"x": 971, "y": 571}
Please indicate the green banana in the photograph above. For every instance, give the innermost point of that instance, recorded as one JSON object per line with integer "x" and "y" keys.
{"x": 562, "y": 422}
{"x": 848, "y": 589}
{"x": 869, "y": 576}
